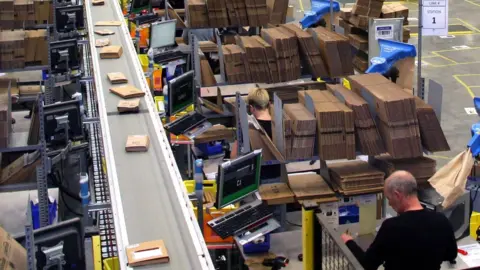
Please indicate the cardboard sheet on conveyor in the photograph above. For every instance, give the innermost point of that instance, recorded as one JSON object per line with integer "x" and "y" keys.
{"x": 422, "y": 168}
{"x": 367, "y": 136}
{"x": 335, "y": 50}
{"x": 309, "y": 51}
{"x": 433, "y": 138}
{"x": 309, "y": 186}
{"x": 335, "y": 125}
{"x": 355, "y": 175}
{"x": 394, "y": 111}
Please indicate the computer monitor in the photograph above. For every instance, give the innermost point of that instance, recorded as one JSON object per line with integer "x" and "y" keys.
{"x": 64, "y": 56}
{"x": 181, "y": 92}
{"x": 139, "y": 5}
{"x": 70, "y": 232}
{"x": 162, "y": 34}
{"x": 238, "y": 178}
{"x": 68, "y": 18}
{"x": 54, "y": 133}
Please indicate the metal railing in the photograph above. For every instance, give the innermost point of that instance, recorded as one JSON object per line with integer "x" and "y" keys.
{"x": 333, "y": 253}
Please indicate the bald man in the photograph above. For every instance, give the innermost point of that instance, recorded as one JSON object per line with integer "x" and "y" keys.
{"x": 415, "y": 239}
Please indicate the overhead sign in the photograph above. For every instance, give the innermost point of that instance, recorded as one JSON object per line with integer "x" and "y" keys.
{"x": 435, "y": 18}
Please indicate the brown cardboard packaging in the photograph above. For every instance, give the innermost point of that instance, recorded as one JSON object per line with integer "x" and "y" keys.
{"x": 433, "y": 138}
{"x": 98, "y": 2}
{"x": 309, "y": 186}
{"x": 36, "y": 47}
{"x": 131, "y": 105}
{"x": 302, "y": 121}
{"x": 12, "y": 254}
{"x": 278, "y": 193}
{"x": 198, "y": 15}
{"x": 111, "y": 52}
{"x": 127, "y": 91}
{"x": 102, "y": 42}
{"x": 104, "y": 32}
{"x": 355, "y": 175}
{"x": 117, "y": 78}
{"x": 43, "y": 11}
{"x": 146, "y": 253}
{"x": 137, "y": 143}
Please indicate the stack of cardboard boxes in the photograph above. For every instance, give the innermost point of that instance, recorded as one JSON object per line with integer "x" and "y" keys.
{"x": 422, "y": 168}
{"x": 335, "y": 50}
{"x": 277, "y": 11}
{"x": 335, "y": 125}
{"x": 256, "y": 62}
{"x": 354, "y": 176}
{"x": 24, "y": 13}
{"x": 5, "y": 114}
{"x": 286, "y": 51}
{"x": 303, "y": 129}
{"x": 309, "y": 51}
{"x": 368, "y": 139}
{"x": 12, "y": 49}
{"x": 433, "y": 138}
{"x": 395, "y": 112}
{"x": 219, "y": 13}
{"x": 395, "y": 10}
{"x": 7, "y": 15}
{"x": 234, "y": 58}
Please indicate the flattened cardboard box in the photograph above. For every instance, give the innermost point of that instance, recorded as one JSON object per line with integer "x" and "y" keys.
{"x": 137, "y": 143}
{"x": 128, "y": 91}
{"x": 131, "y": 105}
{"x": 12, "y": 255}
{"x": 278, "y": 193}
{"x": 111, "y": 52}
{"x": 146, "y": 253}
{"x": 116, "y": 78}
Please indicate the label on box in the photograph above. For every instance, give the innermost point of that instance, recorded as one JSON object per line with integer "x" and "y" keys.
{"x": 366, "y": 199}
{"x": 384, "y": 32}
{"x": 144, "y": 254}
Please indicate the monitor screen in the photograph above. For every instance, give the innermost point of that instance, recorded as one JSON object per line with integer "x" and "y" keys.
{"x": 163, "y": 34}
{"x": 139, "y": 5}
{"x": 181, "y": 92}
{"x": 238, "y": 178}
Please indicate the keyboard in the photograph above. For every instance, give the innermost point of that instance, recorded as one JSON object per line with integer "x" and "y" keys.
{"x": 168, "y": 56}
{"x": 184, "y": 124}
{"x": 249, "y": 215}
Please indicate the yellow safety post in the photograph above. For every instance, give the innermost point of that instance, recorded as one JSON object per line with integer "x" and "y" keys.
{"x": 97, "y": 253}
{"x": 308, "y": 211}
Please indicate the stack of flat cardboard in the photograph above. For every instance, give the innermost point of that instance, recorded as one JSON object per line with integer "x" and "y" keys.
{"x": 36, "y": 47}
{"x": 395, "y": 113}
{"x": 422, "y": 168}
{"x": 433, "y": 138}
{"x": 309, "y": 186}
{"x": 286, "y": 50}
{"x": 360, "y": 61}
{"x": 335, "y": 125}
{"x": 406, "y": 34}
{"x": 269, "y": 58}
{"x": 7, "y": 15}
{"x": 309, "y": 51}
{"x": 355, "y": 176}
{"x": 368, "y": 139}
{"x": 277, "y": 193}
{"x": 336, "y": 52}
{"x": 277, "y": 11}
{"x": 197, "y": 14}
{"x": 369, "y": 8}
{"x": 5, "y": 114}
{"x": 257, "y": 12}
{"x": 43, "y": 11}
{"x": 24, "y": 13}
{"x": 359, "y": 41}
{"x": 345, "y": 13}
{"x": 217, "y": 13}
{"x": 349, "y": 28}
{"x": 237, "y": 12}
{"x": 256, "y": 63}
{"x": 12, "y": 49}
{"x": 303, "y": 127}
{"x": 395, "y": 10}
{"x": 235, "y": 69}
{"x": 360, "y": 21}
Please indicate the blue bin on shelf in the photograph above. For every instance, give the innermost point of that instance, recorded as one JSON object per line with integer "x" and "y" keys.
{"x": 252, "y": 248}
{"x": 52, "y": 213}
{"x": 348, "y": 214}
{"x": 319, "y": 9}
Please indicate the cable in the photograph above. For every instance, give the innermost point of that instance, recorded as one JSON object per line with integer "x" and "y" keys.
{"x": 293, "y": 224}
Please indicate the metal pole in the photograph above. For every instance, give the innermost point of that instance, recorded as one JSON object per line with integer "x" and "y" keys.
{"x": 419, "y": 49}
{"x": 331, "y": 16}
{"x": 42, "y": 170}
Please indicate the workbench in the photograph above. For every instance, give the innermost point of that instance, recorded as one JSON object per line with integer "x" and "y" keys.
{"x": 149, "y": 201}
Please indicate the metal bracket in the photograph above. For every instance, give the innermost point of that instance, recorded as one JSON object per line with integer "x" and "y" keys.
{"x": 54, "y": 256}
{"x": 100, "y": 206}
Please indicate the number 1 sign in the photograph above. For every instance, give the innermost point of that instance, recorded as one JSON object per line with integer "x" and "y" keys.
{"x": 435, "y": 17}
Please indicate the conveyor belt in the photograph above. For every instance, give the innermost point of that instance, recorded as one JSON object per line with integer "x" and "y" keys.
{"x": 148, "y": 199}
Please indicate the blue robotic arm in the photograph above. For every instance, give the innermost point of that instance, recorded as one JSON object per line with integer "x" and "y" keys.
{"x": 474, "y": 143}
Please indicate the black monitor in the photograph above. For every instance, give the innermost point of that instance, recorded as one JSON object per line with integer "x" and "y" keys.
{"x": 64, "y": 56}
{"x": 70, "y": 232}
{"x": 181, "y": 92}
{"x": 138, "y": 5}
{"x": 69, "y": 18}
{"x": 238, "y": 178}
{"x": 55, "y": 133}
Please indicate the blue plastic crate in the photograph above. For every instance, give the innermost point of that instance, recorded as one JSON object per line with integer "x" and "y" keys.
{"x": 252, "y": 248}
{"x": 52, "y": 213}
{"x": 348, "y": 214}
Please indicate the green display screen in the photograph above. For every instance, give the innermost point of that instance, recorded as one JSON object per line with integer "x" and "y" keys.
{"x": 240, "y": 178}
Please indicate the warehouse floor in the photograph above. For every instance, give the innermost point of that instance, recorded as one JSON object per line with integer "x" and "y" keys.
{"x": 456, "y": 69}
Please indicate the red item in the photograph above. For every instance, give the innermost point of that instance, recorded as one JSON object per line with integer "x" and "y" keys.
{"x": 463, "y": 252}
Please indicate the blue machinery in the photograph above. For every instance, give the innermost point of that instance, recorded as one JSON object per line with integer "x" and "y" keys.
{"x": 474, "y": 143}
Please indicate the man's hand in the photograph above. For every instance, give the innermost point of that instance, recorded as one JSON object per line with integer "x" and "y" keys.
{"x": 346, "y": 237}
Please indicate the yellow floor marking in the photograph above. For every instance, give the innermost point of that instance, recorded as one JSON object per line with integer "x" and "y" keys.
{"x": 440, "y": 157}
{"x": 300, "y": 3}
{"x": 469, "y": 25}
{"x": 444, "y": 57}
{"x": 473, "y": 3}
{"x": 469, "y": 90}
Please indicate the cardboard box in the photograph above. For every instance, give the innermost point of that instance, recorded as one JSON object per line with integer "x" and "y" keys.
{"x": 43, "y": 11}
{"x": 146, "y": 253}
{"x": 137, "y": 143}
{"x": 116, "y": 78}
{"x": 36, "y": 47}
{"x": 127, "y": 91}
{"x": 12, "y": 254}
{"x": 131, "y": 105}
{"x": 111, "y": 52}
{"x": 309, "y": 186}
{"x": 278, "y": 193}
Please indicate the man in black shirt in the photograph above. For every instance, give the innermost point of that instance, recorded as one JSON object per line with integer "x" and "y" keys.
{"x": 415, "y": 239}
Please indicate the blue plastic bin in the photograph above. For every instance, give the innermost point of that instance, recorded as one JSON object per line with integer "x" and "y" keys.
{"x": 52, "y": 213}
{"x": 348, "y": 214}
{"x": 252, "y": 248}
